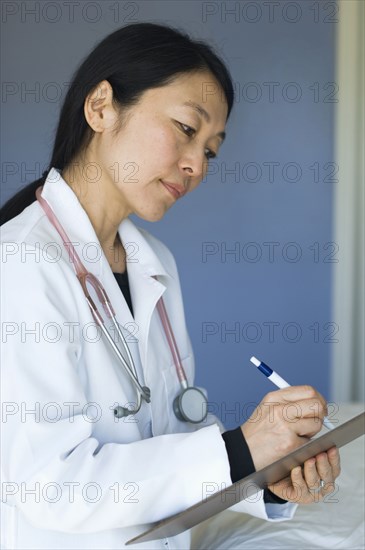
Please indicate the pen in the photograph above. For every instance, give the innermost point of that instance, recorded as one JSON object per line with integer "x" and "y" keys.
{"x": 280, "y": 382}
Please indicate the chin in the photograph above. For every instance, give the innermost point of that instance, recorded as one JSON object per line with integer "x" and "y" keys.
{"x": 152, "y": 216}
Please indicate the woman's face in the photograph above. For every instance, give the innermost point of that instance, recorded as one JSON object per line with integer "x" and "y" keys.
{"x": 162, "y": 150}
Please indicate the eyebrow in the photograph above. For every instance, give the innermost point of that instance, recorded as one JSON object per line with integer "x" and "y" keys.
{"x": 202, "y": 112}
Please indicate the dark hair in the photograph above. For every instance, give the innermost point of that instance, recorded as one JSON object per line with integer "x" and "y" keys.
{"x": 132, "y": 59}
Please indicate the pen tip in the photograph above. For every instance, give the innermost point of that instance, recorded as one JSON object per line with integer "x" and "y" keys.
{"x": 255, "y": 361}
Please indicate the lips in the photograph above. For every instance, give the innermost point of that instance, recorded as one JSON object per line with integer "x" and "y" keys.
{"x": 176, "y": 190}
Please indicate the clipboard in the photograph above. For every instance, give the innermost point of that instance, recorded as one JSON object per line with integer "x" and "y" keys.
{"x": 250, "y": 485}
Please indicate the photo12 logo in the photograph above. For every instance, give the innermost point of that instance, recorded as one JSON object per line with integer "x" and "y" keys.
{"x": 71, "y": 12}
{"x": 255, "y": 12}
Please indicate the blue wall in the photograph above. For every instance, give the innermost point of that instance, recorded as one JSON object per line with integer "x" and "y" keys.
{"x": 274, "y": 212}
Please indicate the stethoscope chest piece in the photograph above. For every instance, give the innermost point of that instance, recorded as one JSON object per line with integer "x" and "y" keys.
{"x": 191, "y": 405}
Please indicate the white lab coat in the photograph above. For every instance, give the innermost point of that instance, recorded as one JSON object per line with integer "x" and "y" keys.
{"x": 73, "y": 476}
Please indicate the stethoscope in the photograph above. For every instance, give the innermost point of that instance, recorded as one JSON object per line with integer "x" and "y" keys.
{"x": 191, "y": 404}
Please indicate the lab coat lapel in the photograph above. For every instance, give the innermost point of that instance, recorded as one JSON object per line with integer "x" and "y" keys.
{"x": 143, "y": 267}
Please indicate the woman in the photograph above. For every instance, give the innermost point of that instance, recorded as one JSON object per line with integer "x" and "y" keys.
{"x": 91, "y": 452}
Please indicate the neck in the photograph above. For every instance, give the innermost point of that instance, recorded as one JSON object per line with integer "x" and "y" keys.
{"x": 104, "y": 211}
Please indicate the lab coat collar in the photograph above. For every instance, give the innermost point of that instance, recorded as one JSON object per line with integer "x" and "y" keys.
{"x": 139, "y": 251}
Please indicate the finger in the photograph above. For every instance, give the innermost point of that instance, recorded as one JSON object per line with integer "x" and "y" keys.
{"x": 325, "y": 472}
{"x": 305, "y": 428}
{"x": 305, "y": 408}
{"x": 335, "y": 461}
{"x": 296, "y": 393}
{"x": 311, "y": 475}
{"x": 280, "y": 488}
{"x": 299, "y": 487}
{"x": 311, "y": 485}
{"x": 285, "y": 489}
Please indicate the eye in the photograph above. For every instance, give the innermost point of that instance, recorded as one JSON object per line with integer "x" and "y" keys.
{"x": 189, "y": 131}
{"x": 210, "y": 155}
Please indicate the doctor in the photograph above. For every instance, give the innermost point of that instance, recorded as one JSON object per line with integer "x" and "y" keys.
{"x": 135, "y": 134}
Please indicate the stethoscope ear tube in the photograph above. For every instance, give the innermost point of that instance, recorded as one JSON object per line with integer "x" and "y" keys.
{"x": 143, "y": 391}
{"x": 121, "y": 412}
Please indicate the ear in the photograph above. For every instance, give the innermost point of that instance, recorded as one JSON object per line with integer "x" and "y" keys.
{"x": 98, "y": 107}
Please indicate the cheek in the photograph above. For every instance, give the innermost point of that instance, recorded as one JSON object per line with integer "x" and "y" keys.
{"x": 153, "y": 151}
{"x": 165, "y": 141}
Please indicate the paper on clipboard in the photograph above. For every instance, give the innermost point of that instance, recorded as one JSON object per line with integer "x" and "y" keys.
{"x": 248, "y": 486}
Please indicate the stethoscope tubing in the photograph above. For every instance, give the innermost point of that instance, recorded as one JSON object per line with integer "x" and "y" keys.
{"x": 143, "y": 392}
{"x": 118, "y": 353}
{"x": 172, "y": 344}
{"x": 83, "y": 276}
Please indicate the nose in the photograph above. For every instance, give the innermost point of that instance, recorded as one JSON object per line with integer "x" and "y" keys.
{"x": 194, "y": 165}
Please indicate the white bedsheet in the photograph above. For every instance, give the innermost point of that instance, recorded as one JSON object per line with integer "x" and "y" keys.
{"x": 337, "y": 522}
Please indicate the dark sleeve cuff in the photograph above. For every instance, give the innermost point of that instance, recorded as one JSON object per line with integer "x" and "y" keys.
{"x": 241, "y": 463}
{"x": 271, "y": 498}
{"x": 239, "y": 456}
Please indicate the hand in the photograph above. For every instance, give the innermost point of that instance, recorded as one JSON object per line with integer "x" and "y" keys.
{"x": 303, "y": 486}
{"x": 284, "y": 420}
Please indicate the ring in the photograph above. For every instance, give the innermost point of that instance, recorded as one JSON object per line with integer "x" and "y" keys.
{"x": 317, "y": 489}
